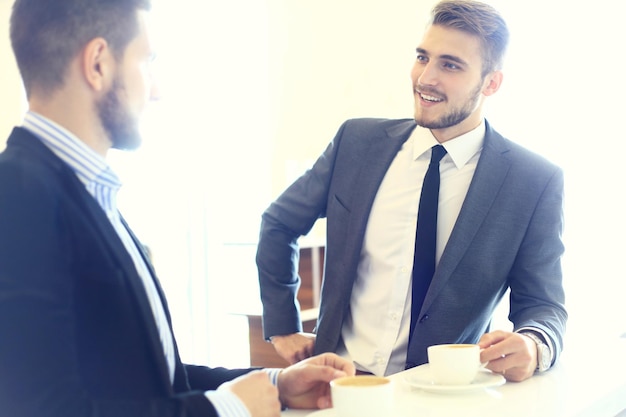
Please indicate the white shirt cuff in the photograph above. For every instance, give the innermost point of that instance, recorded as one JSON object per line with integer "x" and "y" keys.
{"x": 228, "y": 404}
{"x": 544, "y": 336}
{"x": 273, "y": 374}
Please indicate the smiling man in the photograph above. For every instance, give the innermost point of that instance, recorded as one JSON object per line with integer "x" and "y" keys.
{"x": 84, "y": 325}
{"x": 399, "y": 277}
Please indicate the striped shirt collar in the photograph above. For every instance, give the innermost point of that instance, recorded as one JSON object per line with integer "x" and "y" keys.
{"x": 91, "y": 168}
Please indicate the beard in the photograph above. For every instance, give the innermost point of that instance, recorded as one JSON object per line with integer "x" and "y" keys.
{"x": 117, "y": 119}
{"x": 456, "y": 114}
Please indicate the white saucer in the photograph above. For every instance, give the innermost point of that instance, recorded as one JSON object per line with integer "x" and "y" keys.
{"x": 330, "y": 412}
{"x": 327, "y": 412}
{"x": 420, "y": 377}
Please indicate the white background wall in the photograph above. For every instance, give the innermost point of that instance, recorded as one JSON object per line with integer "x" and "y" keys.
{"x": 12, "y": 101}
{"x": 253, "y": 92}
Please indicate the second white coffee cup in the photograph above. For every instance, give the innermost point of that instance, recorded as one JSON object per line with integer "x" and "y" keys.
{"x": 454, "y": 364}
{"x": 362, "y": 396}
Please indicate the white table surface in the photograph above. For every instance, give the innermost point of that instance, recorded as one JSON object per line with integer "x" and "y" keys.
{"x": 588, "y": 381}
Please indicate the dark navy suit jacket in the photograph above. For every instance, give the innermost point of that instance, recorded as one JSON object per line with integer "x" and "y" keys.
{"x": 77, "y": 336}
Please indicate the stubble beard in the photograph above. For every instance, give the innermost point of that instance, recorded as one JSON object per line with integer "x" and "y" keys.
{"x": 117, "y": 120}
{"x": 456, "y": 115}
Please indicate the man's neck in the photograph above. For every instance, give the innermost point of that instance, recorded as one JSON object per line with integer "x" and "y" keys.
{"x": 75, "y": 116}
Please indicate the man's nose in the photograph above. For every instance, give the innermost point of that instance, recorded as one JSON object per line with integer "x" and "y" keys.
{"x": 428, "y": 75}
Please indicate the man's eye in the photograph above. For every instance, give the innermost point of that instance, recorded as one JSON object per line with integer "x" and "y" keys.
{"x": 422, "y": 58}
{"x": 451, "y": 66}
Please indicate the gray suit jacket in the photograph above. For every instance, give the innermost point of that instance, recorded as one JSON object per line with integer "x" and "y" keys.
{"x": 507, "y": 235}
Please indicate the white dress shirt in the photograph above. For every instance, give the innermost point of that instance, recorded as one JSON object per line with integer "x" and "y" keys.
{"x": 375, "y": 336}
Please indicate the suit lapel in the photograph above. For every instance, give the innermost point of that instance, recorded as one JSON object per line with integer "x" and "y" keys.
{"x": 129, "y": 271}
{"x": 98, "y": 219}
{"x": 126, "y": 264}
{"x": 490, "y": 174}
{"x": 373, "y": 169}
{"x": 180, "y": 381}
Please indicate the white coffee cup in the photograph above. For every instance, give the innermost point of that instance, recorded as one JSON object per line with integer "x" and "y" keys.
{"x": 454, "y": 364}
{"x": 362, "y": 396}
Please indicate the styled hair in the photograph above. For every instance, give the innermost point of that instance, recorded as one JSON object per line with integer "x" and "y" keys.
{"x": 46, "y": 35}
{"x": 478, "y": 19}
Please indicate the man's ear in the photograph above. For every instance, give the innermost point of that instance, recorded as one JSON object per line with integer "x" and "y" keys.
{"x": 493, "y": 81}
{"x": 97, "y": 63}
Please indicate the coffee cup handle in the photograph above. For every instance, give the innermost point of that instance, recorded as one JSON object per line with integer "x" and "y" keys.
{"x": 483, "y": 364}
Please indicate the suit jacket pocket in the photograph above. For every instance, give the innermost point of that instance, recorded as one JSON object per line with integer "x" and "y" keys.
{"x": 338, "y": 200}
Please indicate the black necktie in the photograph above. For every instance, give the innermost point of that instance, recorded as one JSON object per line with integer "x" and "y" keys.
{"x": 426, "y": 235}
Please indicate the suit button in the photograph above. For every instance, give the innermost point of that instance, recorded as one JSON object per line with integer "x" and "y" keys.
{"x": 424, "y": 318}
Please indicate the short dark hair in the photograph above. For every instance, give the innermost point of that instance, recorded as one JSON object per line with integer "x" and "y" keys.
{"x": 46, "y": 35}
{"x": 479, "y": 19}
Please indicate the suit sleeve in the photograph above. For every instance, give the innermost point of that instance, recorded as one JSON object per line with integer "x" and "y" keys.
{"x": 203, "y": 378}
{"x": 537, "y": 295}
{"x": 289, "y": 217}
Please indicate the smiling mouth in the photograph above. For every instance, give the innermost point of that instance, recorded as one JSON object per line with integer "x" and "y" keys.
{"x": 429, "y": 98}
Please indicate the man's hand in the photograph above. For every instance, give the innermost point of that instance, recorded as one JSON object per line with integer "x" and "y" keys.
{"x": 294, "y": 347}
{"x": 305, "y": 384}
{"x": 510, "y": 354}
{"x": 257, "y": 393}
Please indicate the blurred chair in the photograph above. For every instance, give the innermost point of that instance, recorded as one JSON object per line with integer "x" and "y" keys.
{"x": 310, "y": 269}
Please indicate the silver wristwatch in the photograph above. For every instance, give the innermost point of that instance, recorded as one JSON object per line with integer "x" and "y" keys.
{"x": 544, "y": 356}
